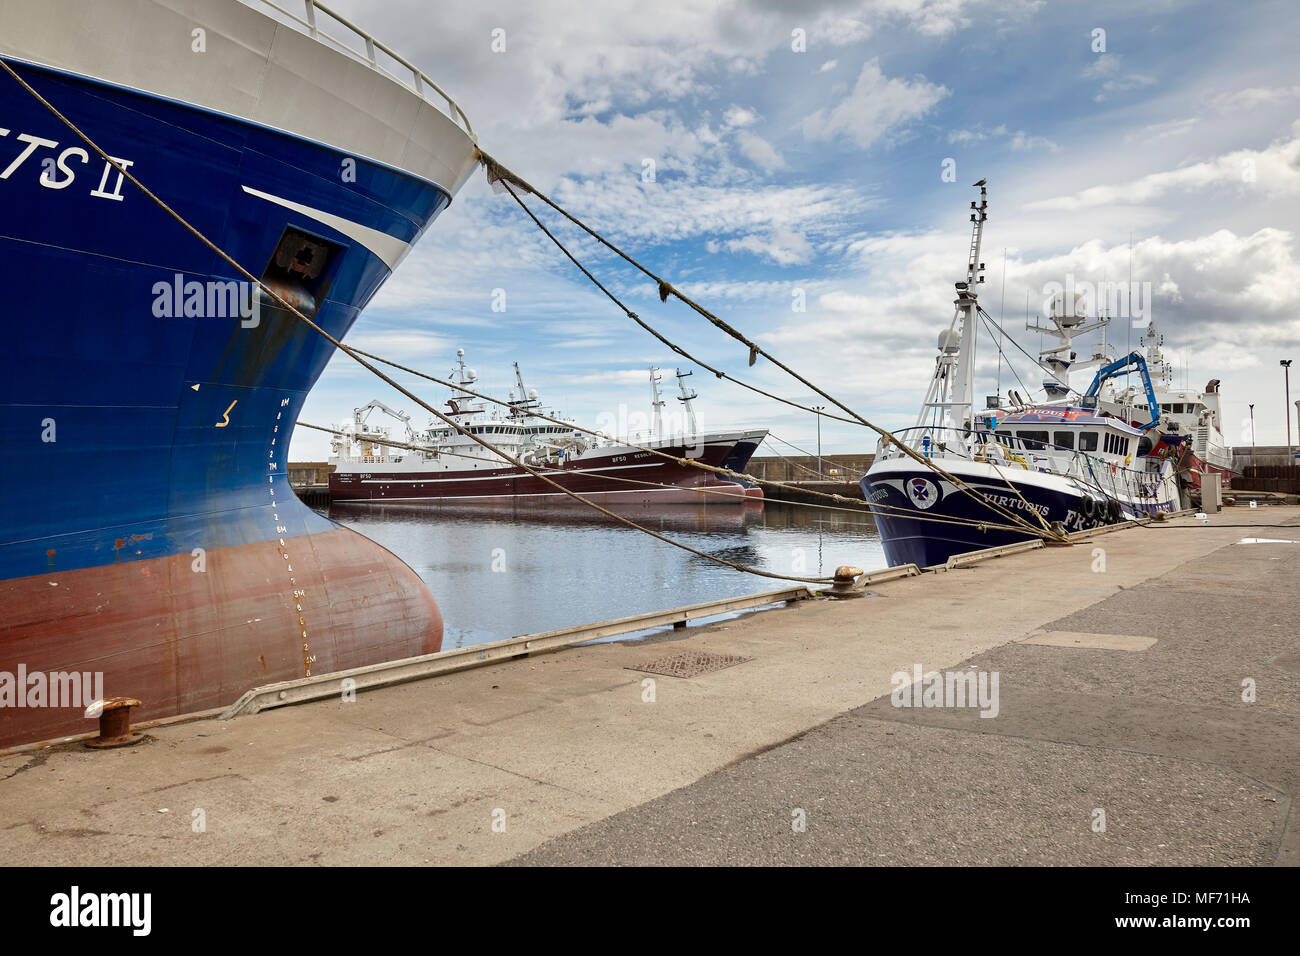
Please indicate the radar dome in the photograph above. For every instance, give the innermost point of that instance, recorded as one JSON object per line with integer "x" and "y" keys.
{"x": 949, "y": 341}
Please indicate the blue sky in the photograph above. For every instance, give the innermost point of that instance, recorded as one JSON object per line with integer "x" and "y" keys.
{"x": 821, "y": 171}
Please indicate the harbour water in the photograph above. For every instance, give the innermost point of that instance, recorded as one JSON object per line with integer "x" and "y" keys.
{"x": 520, "y": 568}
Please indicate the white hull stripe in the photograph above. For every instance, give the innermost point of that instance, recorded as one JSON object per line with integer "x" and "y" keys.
{"x": 388, "y": 248}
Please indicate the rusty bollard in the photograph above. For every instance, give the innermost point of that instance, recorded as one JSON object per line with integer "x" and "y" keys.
{"x": 843, "y": 587}
{"x": 114, "y": 716}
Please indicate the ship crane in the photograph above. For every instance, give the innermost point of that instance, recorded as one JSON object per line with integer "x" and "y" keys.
{"x": 359, "y": 415}
{"x": 527, "y": 401}
{"x": 362, "y": 414}
{"x": 1132, "y": 360}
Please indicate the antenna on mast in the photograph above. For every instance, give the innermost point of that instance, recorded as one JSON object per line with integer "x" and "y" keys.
{"x": 1128, "y": 341}
{"x": 1002, "y": 311}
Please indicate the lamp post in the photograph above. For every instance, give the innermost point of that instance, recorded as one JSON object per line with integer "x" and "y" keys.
{"x": 1286, "y": 370}
{"x": 821, "y": 408}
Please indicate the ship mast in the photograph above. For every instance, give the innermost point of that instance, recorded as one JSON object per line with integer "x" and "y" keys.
{"x": 657, "y": 402}
{"x": 948, "y": 401}
{"x": 685, "y": 398}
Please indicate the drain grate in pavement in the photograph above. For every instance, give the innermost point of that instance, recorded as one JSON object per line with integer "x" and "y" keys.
{"x": 690, "y": 664}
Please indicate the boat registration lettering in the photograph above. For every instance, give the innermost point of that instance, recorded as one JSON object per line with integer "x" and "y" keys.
{"x": 55, "y": 169}
{"x": 1017, "y": 504}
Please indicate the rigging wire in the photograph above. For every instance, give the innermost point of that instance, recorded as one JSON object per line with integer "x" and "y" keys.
{"x": 352, "y": 353}
{"x": 984, "y": 317}
{"x": 806, "y": 454}
{"x": 498, "y": 174}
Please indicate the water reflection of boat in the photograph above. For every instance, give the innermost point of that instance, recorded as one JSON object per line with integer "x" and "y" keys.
{"x": 656, "y": 516}
{"x": 795, "y": 517}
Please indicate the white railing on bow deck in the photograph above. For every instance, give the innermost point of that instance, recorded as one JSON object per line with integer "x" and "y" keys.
{"x": 418, "y": 82}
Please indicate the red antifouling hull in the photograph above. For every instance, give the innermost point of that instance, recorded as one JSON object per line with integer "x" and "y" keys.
{"x": 183, "y": 639}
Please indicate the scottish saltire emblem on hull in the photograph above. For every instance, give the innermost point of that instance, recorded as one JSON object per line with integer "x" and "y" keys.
{"x": 923, "y": 492}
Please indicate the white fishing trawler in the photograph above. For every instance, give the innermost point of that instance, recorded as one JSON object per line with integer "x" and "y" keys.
{"x": 441, "y": 462}
{"x": 1191, "y": 422}
{"x": 1000, "y": 474}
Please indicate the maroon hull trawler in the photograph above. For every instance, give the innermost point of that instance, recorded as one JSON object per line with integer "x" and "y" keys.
{"x": 443, "y": 463}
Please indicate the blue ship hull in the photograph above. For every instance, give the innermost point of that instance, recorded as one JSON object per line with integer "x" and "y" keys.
{"x": 149, "y": 531}
{"x": 910, "y": 506}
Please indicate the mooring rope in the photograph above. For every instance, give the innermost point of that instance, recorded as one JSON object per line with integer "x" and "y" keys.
{"x": 221, "y": 253}
{"x": 498, "y": 173}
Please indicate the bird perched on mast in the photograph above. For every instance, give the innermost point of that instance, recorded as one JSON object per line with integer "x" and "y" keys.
{"x": 982, "y": 182}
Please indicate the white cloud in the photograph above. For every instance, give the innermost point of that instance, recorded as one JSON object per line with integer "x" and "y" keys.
{"x": 1107, "y": 67}
{"x": 618, "y": 376}
{"x": 1155, "y": 131}
{"x": 1023, "y": 141}
{"x": 737, "y": 117}
{"x": 975, "y": 135}
{"x": 758, "y": 151}
{"x": 1019, "y": 140}
{"x": 1134, "y": 81}
{"x": 876, "y": 105}
{"x": 782, "y": 245}
{"x": 1271, "y": 171}
{"x": 1249, "y": 99}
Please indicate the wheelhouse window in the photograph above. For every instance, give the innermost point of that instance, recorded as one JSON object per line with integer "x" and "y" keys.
{"x": 1034, "y": 440}
{"x": 1087, "y": 441}
{"x": 1063, "y": 439}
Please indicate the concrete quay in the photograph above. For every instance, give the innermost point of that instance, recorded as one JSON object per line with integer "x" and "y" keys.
{"x": 1122, "y": 664}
